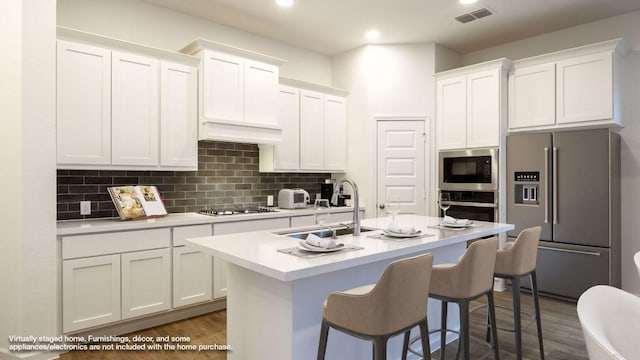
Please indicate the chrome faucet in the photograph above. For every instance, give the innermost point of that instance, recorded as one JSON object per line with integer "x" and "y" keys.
{"x": 356, "y": 202}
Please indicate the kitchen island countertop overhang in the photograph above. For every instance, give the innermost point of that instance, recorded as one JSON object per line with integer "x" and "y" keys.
{"x": 258, "y": 251}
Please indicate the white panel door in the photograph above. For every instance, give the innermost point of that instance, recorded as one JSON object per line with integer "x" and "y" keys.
{"x": 90, "y": 292}
{"x": 287, "y": 152}
{"x": 483, "y": 109}
{"x": 335, "y": 133}
{"x": 223, "y": 85}
{"x": 311, "y": 130}
{"x": 261, "y": 93}
{"x": 135, "y": 113}
{"x": 532, "y": 96}
{"x": 83, "y": 124}
{"x": 585, "y": 88}
{"x": 146, "y": 282}
{"x": 451, "y": 113}
{"x": 178, "y": 115}
{"x": 401, "y": 165}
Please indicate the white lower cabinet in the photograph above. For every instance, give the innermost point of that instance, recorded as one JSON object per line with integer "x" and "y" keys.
{"x": 220, "y": 266}
{"x": 146, "y": 288}
{"x": 192, "y": 277}
{"x": 90, "y": 292}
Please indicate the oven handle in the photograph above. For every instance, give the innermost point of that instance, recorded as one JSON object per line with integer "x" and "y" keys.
{"x": 474, "y": 204}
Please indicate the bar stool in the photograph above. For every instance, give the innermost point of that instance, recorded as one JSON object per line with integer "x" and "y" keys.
{"x": 392, "y": 306}
{"x": 515, "y": 260}
{"x": 463, "y": 282}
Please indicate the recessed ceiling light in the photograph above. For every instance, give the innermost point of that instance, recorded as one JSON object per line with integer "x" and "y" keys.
{"x": 372, "y": 35}
{"x": 467, "y": 2}
{"x": 284, "y": 3}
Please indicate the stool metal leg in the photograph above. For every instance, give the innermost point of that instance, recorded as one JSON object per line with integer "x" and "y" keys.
{"x": 324, "y": 333}
{"x": 536, "y": 302}
{"x": 379, "y": 348}
{"x": 443, "y": 328}
{"x": 424, "y": 334}
{"x": 491, "y": 310}
{"x": 515, "y": 291}
{"x": 405, "y": 345}
{"x": 464, "y": 328}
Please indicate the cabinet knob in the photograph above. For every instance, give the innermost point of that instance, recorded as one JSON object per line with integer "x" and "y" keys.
{"x": 381, "y": 206}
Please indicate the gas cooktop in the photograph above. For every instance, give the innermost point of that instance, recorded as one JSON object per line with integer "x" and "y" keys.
{"x": 237, "y": 211}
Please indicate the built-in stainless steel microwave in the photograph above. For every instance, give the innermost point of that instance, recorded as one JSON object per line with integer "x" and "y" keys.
{"x": 474, "y": 169}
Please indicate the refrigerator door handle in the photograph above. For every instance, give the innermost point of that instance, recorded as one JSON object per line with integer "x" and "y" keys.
{"x": 555, "y": 185}
{"x": 546, "y": 184}
{"x": 570, "y": 251}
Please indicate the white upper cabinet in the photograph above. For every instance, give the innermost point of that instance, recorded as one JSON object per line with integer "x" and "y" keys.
{"x": 287, "y": 152}
{"x": 471, "y": 105}
{"x": 311, "y": 130}
{"x": 335, "y": 133}
{"x": 579, "y": 87}
{"x": 223, "y": 86}
{"x": 178, "y": 115}
{"x": 532, "y": 96}
{"x": 124, "y": 106}
{"x": 83, "y": 104}
{"x": 239, "y": 92}
{"x": 451, "y": 112}
{"x": 135, "y": 114}
{"x": 585, "y": 88}
{"x": 314, "y": 130}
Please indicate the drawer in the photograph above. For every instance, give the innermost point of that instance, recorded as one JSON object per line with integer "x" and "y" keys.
{"x": 181, "y": 234}
{"x": 112, "y": 243}
{"x": 250, "y": 225}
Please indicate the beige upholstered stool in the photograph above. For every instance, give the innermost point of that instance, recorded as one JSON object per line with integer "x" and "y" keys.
{"x": 515, "y": 260}
{"x": 460, "y": 283}
{"x": 392, "y": 306}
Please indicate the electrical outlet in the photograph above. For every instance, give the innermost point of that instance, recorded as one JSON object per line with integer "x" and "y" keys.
{"x": 269, "y": 200}
{"x": 85, "y": 207}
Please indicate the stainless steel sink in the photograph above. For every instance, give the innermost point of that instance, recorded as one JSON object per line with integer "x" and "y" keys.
{"x": 326, "y": 233}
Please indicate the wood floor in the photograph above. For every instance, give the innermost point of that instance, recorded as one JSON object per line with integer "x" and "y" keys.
{"x": 561, "y": 331}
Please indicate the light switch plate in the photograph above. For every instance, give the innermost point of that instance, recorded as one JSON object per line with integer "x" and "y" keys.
{"x": 85, "y": 207}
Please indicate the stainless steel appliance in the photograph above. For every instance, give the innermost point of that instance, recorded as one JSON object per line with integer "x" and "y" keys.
{"x": 473, "y": 205}
{"x": 236, "y": 211}
{"x": 569, "y": 184}
{"x": 293, "y": 198}
{"x": 472, "y": 170}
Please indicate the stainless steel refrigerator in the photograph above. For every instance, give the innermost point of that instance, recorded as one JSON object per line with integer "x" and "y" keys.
{"x": 568, "y": 183}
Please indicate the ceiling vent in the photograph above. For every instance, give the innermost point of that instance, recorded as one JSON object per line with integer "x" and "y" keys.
{"x": 478, "y": 14}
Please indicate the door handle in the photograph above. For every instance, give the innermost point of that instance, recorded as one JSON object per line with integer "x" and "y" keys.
{"x": 555, "y": 185}
{"x": 546, "y": 185}
{"x": 381, "y": 206}
{"x": 570, "y": 251}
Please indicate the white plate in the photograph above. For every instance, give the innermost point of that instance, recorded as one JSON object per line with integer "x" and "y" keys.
{"x": 306, "y": 247}
{"x": 400, "y": 235}
{"x": 456, "y": 226}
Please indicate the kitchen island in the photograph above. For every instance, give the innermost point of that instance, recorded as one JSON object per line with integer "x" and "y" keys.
{"x": 274, "y": 299}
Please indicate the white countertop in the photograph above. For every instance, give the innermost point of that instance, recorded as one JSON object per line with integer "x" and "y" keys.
{"x": 89, "y": 226}
{"x": 258, "y": 251}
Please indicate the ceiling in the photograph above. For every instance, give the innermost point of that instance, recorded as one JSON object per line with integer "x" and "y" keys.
{"x": 333, "y": 26}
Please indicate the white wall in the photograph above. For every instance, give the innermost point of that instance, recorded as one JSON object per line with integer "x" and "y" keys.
{"x": 27, "y": 140}
{"x": 384, "y": 80}
{"x": 148, "y": 24}
{"x": 626, "y": 26}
